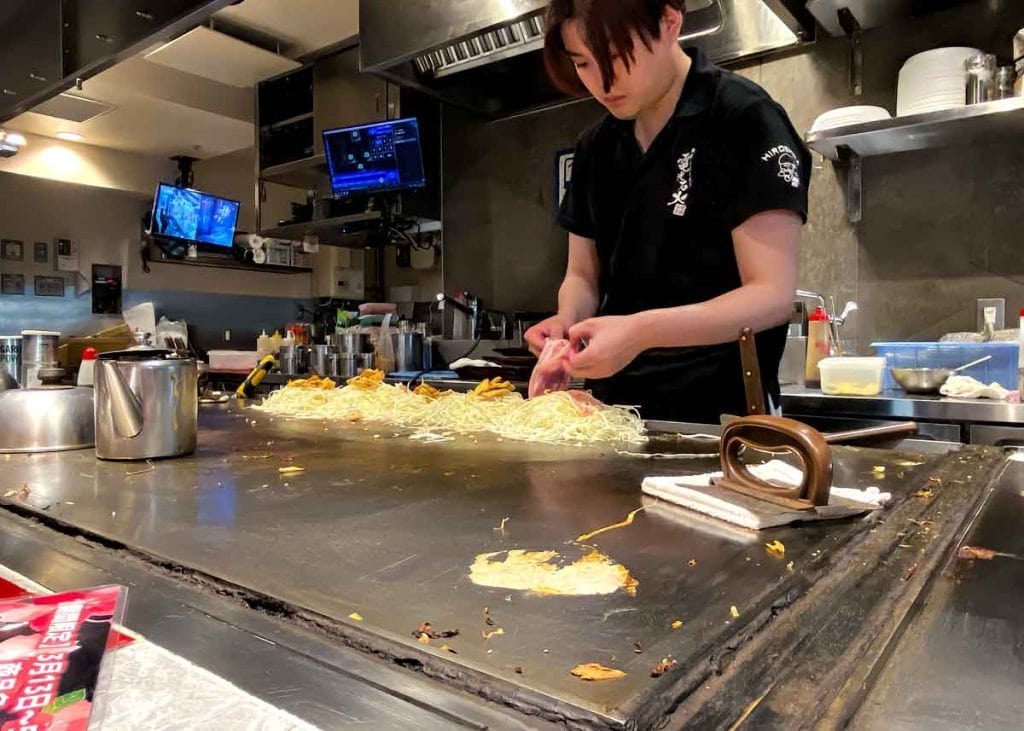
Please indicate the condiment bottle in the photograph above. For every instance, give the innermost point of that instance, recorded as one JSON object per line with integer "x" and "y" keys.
{"x": 264, "y": 346}
{"x": 817, "y": 346}
{"x": 88, "y": 366}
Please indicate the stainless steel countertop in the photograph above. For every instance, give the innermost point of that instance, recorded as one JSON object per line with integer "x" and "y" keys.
{"x": 898, "y": 405}
{"x": 387, "y": 527}
{"x": 960, "y": 664}
{"x": 308, "y": 675}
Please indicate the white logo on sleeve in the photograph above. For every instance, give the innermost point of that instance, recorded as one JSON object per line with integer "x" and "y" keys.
{"x": 788, "y": 162}
{"x": 684, "y": 178}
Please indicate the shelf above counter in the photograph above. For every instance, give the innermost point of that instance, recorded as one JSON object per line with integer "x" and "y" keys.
{"x": 224, "y": 262}
{"x": 309, "y": 173}
{"x": 331, "y": 231}
{"x": 339, "y": 231}
{"x": 971, "y": 124}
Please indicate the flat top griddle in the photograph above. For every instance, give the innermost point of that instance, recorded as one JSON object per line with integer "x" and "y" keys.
{"x": 387, "y": 528}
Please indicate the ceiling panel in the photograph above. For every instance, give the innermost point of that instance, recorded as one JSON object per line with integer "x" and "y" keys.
{"x": 212, "y": 55}
{"x": 302, "y": 26}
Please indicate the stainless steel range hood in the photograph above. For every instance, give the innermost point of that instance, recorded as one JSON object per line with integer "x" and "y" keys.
{"x": 484, "y": 55}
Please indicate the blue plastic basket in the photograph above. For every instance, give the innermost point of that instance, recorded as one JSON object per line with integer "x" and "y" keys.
{"x": 1002, "y": 368}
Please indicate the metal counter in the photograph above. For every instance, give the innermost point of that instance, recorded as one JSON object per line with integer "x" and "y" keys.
{"x": 387, "y": 527}
{"x": 960, "y": 664}
{"x": 898, "y": 405}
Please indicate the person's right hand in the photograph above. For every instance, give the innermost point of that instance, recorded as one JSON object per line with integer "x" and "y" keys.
{"x": 536, "y": 336}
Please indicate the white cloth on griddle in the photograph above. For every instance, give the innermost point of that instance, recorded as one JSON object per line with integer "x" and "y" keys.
{"x": 697, "y": 493}
{"x": 472, "y": 363}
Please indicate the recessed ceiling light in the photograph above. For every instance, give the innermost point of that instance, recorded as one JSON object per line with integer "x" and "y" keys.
{"x": 12, "y": 138}
{"x": 69, "y": 136}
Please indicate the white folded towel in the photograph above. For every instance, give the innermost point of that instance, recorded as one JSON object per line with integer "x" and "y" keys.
{"x": 697, "y": 493}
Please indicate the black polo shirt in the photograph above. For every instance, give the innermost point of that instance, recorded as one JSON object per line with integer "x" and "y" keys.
{"x": 663, "y": 221}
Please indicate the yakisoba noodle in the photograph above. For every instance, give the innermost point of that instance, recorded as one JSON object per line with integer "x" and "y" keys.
{"x": 557, "y": 418}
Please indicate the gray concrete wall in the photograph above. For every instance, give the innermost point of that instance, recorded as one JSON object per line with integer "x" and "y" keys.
{"x": 940, "y": 228}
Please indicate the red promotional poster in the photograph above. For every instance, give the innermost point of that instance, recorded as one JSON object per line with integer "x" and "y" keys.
{"x": 52, "y": 651}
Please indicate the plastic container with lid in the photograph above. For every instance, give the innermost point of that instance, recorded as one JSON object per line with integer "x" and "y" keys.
{"x": 852, "y": 376}
{"x": 238, "y": 361}
{"x": 88, "y": 367}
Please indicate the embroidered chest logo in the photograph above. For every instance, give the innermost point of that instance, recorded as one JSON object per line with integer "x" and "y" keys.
{"x": 788, "y": 162}
{"x": 684, "y": 178}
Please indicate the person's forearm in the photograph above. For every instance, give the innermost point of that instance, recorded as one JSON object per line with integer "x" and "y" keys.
{"x": 719, "y": 320}
{"x": 577, "y": 300}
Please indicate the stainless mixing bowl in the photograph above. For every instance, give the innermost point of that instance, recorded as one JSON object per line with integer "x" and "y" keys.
{"x": 921, "y": 380}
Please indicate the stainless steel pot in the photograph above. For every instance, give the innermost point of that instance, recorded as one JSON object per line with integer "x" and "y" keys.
{"x": 38, "y": 350}
{"x": 354, "y": 342}
{"x": 147, "y": 405}
{"x": 408, "y": 351}
{"x": 48, "y": 419}
{"x": 10, "y": 361}
{"x": 346, "y": 365}
{"x": 365, "y": 361}
{"x": 320, "y": 357}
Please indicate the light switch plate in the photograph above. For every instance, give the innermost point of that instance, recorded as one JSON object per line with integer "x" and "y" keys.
{"x": 998, "y": 304}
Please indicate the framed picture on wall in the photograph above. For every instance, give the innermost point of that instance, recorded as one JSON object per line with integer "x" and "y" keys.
{"x": 12, "y": 284}
{"x": 12, "y": 250}
{"x": 49, "y": 286}
{"x": 40, "y": 252}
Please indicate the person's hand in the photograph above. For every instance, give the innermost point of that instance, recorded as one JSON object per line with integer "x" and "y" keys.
{"x": 536, "y": 336}
{"x": 602, "y": 346}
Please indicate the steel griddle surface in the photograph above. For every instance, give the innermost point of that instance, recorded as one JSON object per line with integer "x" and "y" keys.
{"x": 388, "y": 527}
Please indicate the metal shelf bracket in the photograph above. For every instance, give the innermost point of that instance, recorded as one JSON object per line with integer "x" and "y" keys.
{"x": 853, "y": 31}
{"x": 854, "y": 165}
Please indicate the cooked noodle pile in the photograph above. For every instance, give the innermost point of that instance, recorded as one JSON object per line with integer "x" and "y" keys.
{"x": 556, "y": 418}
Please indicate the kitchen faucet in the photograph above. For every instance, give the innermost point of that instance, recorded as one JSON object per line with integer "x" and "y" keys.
{"x": 834, "y": 321}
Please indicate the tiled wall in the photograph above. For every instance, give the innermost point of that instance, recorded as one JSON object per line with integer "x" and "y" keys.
{"x": 940, "y": 228}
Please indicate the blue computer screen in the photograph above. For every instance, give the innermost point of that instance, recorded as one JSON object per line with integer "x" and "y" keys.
{"x": 384, "y": 156}
{"x": 182, "y": 213}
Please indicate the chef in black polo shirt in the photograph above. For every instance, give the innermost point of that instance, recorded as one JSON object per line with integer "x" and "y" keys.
{"x": 684, "y": 215}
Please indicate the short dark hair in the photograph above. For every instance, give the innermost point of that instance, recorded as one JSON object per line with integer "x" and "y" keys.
{"x": 607, "y": 27}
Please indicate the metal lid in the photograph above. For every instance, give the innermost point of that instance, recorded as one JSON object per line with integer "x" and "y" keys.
{"x": 49, "y": 333}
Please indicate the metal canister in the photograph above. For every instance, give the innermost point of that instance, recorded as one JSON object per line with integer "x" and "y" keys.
{"x": 1005, "y": 78}
{"x": 38, "y": 350}
{"x": 346, "y": 365}
{"x": 365, "y": 361}
{"x": 1018, "y": 62}
{"x": 10, "y": 361}
{"x": 320, "y": 359}
{"x": 288, "y": 357}
{"x": 981, "y": 78}
{"x": 354, "y": 342}
{"x": 408, "y": 351}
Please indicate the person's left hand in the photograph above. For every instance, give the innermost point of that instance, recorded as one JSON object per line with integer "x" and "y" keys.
{"x": 611, "y": 343}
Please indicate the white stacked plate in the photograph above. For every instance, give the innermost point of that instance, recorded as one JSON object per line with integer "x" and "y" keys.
{"x": 845, "y": 116}
{"x": 932, "y": 81}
